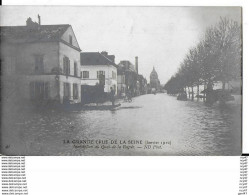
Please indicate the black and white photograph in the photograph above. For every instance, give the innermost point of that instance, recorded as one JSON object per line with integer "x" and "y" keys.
{"x": 121, "y": 81}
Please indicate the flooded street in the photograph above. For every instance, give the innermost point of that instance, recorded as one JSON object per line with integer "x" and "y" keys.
{"x": 191, "y": 128}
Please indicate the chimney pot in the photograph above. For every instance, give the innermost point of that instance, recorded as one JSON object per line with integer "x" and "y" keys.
{"x": 104, "y": 53}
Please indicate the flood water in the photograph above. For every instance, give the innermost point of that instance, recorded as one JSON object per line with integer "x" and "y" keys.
{"x": 191, "y": 128}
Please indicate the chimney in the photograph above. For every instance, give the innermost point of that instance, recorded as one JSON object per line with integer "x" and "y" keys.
{"x": 112, "y": 58}
{"x": 136, "y": 64}
{"x": 39, "y": 19}
{"x": 104, "y": 53}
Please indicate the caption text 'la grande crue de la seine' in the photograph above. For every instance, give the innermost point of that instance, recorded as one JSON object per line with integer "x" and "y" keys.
{"x": 118, "y": 144}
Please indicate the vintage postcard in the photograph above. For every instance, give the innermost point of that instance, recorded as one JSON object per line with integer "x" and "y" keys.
{"x": 121, "y": 81}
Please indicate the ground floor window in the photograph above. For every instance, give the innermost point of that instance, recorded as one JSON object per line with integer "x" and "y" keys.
{"x": 75, "y": 91}
{"x": 66, "y": 89}
{"x": 100, "y": 73}
{"x": 85, "y": 74}
{"x": 39, "y": 90}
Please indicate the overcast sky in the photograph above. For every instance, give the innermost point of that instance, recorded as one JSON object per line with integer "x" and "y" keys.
{"x": 159, "y": 36}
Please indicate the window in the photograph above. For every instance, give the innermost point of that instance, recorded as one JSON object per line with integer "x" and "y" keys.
{"x": 101, "y": 77}
{"x": 70, "y": 39}
{"x": 66, "y": 89}
{"x": 75, "y": 69}
{"x": 39, "y": 90}
{"x": 123, "y": 78}
{"x": 66, "y": 66}
{"x": 75, "y": 91}
{"x": 39, "y": 65}
{"x": 114, "y": 75}
{"x": 100, "y": 73}
{"x": 85, "y": 75}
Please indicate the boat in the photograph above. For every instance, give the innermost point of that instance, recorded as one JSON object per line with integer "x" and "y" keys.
{"x": 101, "y": 107}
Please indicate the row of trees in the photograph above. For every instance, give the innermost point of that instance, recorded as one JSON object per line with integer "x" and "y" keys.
{"x": 216, "y": 58}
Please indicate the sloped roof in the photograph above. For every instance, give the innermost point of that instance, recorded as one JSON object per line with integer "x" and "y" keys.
{"x": 128, "y": 66}
{"x": 24, "y": 34}
{"x": 95, "y": 58}
{"x": 126, "y": 62}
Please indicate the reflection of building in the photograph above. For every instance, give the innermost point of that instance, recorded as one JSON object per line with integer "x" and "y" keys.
{"x": 154, "y": 81}
{"x": 95, "y": 65}
{"x": 42, "y": 62}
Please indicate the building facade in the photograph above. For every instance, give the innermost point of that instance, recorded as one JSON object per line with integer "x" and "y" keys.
{"x": 42, "y": 62}
{"x": 99, "y": 69}
{"x": 121, "y": 89}
{"x": 129, "y": 75}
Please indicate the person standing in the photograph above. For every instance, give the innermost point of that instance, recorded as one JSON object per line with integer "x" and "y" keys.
{"x": 112, "y": 94}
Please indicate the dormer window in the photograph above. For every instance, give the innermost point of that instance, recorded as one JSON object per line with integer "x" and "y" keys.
{"x": 70, "y": 39}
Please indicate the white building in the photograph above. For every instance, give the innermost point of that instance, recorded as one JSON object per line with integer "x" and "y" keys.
{"x": 41, "y": 61}
{"x": 95, "y": 64}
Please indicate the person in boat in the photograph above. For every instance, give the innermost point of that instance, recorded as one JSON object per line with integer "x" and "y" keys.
{"x": 112, "y": 98}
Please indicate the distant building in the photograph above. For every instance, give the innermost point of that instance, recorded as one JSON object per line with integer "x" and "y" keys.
{"x": 154, "y": 81}
{"x": 99, "y": 69}
{"x": 40, "y": 62}
{"x": 121, "y": 89}
{"x": 127, "y": 76}
{"x": 142, "y": 85}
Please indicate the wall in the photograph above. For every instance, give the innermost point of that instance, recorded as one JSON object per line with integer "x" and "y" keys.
{"x": 71, "y": 80}
{"x": 24, "y": 81}
{"x": 25, "y": 56}
{"x": 21, "y": 56}
{"x": 72, "y": 54}
{"x": 65, "y": 37}
{"x": 109, "y": 82}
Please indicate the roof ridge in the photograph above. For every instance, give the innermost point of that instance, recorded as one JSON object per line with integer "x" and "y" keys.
{"x": 107, "y": 58}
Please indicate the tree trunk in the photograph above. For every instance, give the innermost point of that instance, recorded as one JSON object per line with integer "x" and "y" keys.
{"x": 222, "y": 96}
{"x": 204, "y": 95}
{"x": 198, "y": 92}
{"x": 192, "y": 92}
{"x": 188, "y": 93}
{"x": 223, "y": 85}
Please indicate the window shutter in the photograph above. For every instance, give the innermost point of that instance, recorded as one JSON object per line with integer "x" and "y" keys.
{"x": 68, "y": 66}
{"x": 64, "y": 65}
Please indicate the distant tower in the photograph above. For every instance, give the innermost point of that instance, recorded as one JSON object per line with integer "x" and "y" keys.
{"x": 154, "y": 81}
